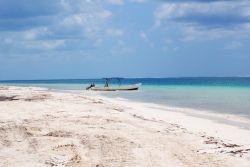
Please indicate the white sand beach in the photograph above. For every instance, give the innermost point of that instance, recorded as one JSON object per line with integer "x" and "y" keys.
{"x": 39, "y": 127}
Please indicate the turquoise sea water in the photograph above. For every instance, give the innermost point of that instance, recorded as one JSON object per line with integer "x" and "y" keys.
{"x": 223, "y": 95}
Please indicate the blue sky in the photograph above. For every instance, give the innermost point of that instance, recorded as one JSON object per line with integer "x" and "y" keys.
{"x": 53, "y": 39}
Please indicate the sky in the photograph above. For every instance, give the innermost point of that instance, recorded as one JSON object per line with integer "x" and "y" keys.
{"x": 66, "y": 39}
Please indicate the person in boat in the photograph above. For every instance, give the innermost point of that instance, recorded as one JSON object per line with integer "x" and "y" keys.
{"x": 90, "y": 86}
{"x": 106, "y": 83}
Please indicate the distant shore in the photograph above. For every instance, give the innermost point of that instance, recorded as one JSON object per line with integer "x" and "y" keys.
{"x": 39, "y": 127}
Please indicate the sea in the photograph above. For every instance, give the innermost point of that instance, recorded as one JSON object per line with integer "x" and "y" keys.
{"x": 229, "y": 95}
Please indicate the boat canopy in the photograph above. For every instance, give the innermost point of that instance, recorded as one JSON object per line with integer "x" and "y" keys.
{"x": 107, "y": 80}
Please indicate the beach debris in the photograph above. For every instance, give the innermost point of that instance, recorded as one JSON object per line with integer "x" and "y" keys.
{"x": 212, "y": 140}
{"x": 142, "y": 118}
{"x": 226, "y": 148}
{"x": 76, "y": 158}
{"x": 4, "y": 88}
{"x": 99, "y": 165}
{"x": 37, "y": 98}
{"x": 59, "y": 134}
{"x": 69, "y": 145}
{"x": 230, "y": 145}
{"x": 99, "y": 101}
{"x": 8, "y": 98}
{"x": 113, "y": 121}
{"x": 118, "y": 109}
{"x": 239, "y": 151}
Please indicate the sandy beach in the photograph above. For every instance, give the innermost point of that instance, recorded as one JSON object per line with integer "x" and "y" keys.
{"x": 39, "y": 127}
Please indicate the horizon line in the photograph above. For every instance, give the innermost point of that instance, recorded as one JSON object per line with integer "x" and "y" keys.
{"x": 4, "y": 80}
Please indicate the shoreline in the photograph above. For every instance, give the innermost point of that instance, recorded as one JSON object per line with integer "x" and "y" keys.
{"x": 43, "y": 126}
{"x": 213, "y": 118}
{"x": 216, "y": 106}
{"x": 241, "y": 121}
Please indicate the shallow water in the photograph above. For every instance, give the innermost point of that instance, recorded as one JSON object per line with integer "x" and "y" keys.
{"x": 231, "y": 100}
{"x": 223, "y": 95}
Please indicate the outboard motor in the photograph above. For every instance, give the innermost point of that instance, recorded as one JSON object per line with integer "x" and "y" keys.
{"x": 90, "y": 86}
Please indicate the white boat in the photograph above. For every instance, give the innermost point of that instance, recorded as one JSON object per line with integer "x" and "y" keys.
{"x": 118, "y": 88}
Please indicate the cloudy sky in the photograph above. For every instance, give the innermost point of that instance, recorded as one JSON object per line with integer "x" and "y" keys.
{"x": 50, "y": 39}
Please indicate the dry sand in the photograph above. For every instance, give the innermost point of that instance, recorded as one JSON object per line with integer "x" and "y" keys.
{"x": 44, "y": 128}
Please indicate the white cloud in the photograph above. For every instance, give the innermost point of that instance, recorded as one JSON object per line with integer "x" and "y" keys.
{"x": 86, "y": 19}
{"x": 121, "y": 49}
{"x": 138, "y": 1}
{"x": 115, "y": 32}
{"x": 197, "y": 33}
{"x": 7, "y": 41}
{"x": 34, "y": 33}
{"x": 144, "y": 36}
{"x": 214, "y": 19}
{"x": 200, "y": 13}
{"x": 98, "y": 42}
{"x": 78, "y": 19}
{"x": 169, "y": 46}
{"x": 233, "y": 45}
{"x": 85, "y": 24}
{"x": 42, "y": 45}
{"x": 53, "y": 44}
{"x": 116, "y": 2}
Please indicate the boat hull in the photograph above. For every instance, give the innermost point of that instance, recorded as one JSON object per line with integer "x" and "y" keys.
{"x": 125, "y": 88}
